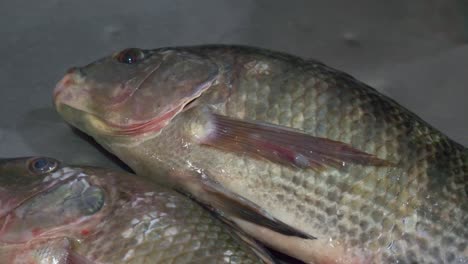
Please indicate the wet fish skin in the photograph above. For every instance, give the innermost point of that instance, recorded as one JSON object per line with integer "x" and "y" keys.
{"x": 413, "y": 211}
{"x": 94, "y": 215}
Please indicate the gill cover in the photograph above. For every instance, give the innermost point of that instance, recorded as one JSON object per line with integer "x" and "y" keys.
{"x": 180, "y": 78}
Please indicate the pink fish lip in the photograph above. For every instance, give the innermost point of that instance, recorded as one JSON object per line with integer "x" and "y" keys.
{"x": 67, "y": 81}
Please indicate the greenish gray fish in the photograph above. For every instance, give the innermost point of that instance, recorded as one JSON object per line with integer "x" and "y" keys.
{"x": 54, "y": 213}
{"x": 303, "y": 157}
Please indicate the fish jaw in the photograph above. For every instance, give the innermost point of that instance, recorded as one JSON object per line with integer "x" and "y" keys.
{"x": 70, "y": 98}
{"x": 70, "y": 90}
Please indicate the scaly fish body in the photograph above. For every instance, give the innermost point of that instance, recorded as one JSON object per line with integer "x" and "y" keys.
{"x": 72, "y": 214}
{"x": 388, "y": 188}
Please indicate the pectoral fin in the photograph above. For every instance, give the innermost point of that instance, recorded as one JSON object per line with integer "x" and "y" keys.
{"x": 256, "y": 222}
{"x": 320, "y": 251}
{"x": 283, "y": 145}
{"x": 244, "y": 209}
{"x": 228, "y": 204}
{"x": 259, "y": 250}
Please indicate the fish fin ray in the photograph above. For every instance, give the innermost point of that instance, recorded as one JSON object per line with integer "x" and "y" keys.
{"x": 224, "y": 202}
{"x": 258, "y": 249}
{"x": 283, "y": 145}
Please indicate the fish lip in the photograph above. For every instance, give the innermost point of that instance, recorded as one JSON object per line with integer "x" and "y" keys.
{"x": 66, "y": 81}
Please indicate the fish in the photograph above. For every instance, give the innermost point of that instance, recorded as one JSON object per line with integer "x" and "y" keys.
{"x": 303, "y": 157}
{"x": 52, "y": 212}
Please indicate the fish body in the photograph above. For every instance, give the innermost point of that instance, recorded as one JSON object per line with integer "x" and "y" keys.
{"x": 304, "y": 157}
{"x": 54, "y": 213}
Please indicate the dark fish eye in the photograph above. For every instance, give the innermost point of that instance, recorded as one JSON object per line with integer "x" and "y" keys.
{"x": 43, "y": 165}
{"x": 130, "y": 56}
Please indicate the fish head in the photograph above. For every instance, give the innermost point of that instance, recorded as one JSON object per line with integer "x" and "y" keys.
{"x": 41, "y": 198}
{"x": 133, "y": 91}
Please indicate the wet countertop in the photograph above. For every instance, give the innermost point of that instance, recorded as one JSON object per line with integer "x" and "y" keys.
{"x": 414, "y": 51}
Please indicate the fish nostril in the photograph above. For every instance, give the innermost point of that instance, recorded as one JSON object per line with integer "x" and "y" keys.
{"x": 68, "y": 80}
{"x": 75, "y": 70}
{"x": 72, "y": 70}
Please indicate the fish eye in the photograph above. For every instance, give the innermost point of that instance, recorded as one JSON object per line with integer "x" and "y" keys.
{"x": 130, "y": 56}
{"x": 43, "y": 165}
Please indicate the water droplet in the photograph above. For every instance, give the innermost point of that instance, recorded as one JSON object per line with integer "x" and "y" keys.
{"x": 301, "y": 161}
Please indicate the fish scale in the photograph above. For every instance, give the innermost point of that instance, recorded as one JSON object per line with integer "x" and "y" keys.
{"x": 147, "y": 242}
{"x": 325, "y": 114}
{"x": 401, "y": 211}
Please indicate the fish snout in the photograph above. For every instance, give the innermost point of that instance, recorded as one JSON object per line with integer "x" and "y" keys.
{"x": 71, "y": 78}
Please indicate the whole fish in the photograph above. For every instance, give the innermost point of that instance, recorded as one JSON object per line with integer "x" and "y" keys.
{"x": 304, "y": 157}
{"x": 53, "y": 213}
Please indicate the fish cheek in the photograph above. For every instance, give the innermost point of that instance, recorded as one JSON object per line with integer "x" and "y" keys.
{"x": 15, "y": 174}
{"x": 44, "y": 251}
{"x": 177, "y": 81}
{"x": 56, "y": 208}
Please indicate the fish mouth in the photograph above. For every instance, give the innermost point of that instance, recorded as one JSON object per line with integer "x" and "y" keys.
{"x": 64, "y": 100}
{"x": 70, "y": 79}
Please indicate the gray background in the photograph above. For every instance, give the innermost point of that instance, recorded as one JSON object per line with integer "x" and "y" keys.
{"x": 414, "y": 51}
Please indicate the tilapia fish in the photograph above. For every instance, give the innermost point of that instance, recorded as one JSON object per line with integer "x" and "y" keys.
{"x": 304, "y": 157}
{"x": 53, "y": 213}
